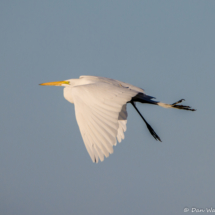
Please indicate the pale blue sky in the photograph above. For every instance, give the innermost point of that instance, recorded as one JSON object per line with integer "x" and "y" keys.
{"x": 164, "y": 47}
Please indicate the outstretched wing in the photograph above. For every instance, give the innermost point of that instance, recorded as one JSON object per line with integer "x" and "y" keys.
{"x": 100, "y": 110}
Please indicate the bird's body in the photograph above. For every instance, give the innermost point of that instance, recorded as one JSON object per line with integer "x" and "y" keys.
{"x": 96, "y": 83}
{"x": 100, "y": 108}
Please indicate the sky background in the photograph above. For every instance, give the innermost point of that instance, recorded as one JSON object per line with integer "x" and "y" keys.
{"x": 165, "y": 47}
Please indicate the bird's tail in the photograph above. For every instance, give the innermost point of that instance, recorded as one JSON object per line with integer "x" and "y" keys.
{"x": 143, "y": 98}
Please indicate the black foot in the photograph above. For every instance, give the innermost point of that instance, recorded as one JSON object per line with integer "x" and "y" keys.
{"x": 174, "y": 105}
{"x": 151, "y": 130}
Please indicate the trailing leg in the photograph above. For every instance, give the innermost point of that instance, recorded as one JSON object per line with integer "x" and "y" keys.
{"x": 142, "y": 98}
{"x": 174, "y": 105}
{"x": 147, "y": 124}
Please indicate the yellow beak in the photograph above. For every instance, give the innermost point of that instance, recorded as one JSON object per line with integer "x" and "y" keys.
{"x": 56, "y": 83}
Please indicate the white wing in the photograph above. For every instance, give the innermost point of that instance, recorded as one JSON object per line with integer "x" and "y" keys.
{"x": 111, "y": 81}
{"x": 101, "y": 114}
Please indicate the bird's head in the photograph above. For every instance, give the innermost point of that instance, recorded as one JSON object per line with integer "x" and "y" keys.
{"x": 67, "y": 84}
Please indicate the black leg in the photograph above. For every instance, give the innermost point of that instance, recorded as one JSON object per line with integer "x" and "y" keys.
{"x": 147, "y": 124}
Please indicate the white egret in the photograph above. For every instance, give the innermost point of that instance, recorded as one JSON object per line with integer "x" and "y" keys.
{"x": 100, "y": 109}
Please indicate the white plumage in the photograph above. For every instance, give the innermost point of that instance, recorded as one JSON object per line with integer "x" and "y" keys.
{"x": 100, "y": 109}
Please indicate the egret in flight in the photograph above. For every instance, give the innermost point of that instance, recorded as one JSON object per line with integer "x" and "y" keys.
{"x": 100, "y": 109}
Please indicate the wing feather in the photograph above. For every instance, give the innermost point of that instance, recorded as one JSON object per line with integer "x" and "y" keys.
{"x": 99, "y": 138}
{"x": 110, "y": 127}
{"x": 101, "y": 114}
{"x": 96, "y": 137}
{"x": 107, "y": 113}
{"x": 94, "y": 142}
{"x": 93, "y": 131}
{"x": 108, "y": 136}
